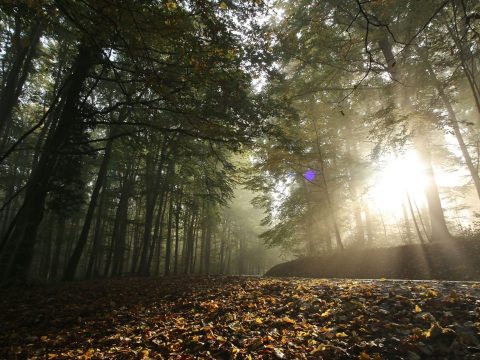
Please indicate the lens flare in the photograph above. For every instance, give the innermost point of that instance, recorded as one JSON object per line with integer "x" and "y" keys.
{"x": 309, "y": 175}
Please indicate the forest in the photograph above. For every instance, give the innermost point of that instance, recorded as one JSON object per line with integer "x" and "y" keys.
{"x": 161, "y": 149}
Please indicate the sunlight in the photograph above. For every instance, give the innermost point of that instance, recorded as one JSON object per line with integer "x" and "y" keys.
{"x": 400, "y": 175}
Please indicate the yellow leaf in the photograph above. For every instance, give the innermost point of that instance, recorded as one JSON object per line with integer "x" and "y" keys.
{"x": 326, "y": 313}
{"x": 287, "y": 320}
{"x": 145, "y": 353}
{"x": 341, "y": 335}
{"x": 52, "y": 356}
{"x": 223, "y": 6}
{"x": 364, "y": 356}
{"x": 317, "y": 350}
{"x": 258, "y": 321}
{"x": 171, "y": 5}
{"x": 430, "y": 293}
{"x": 418, "y": 309}
{"x": 324, "y": 329}
{"x": 453, "y": 297}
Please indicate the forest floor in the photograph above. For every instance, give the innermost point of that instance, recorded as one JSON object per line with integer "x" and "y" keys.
{"x": 242, "y": 318}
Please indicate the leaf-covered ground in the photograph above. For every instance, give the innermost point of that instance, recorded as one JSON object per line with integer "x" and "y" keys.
{"x": 242, "y": 318}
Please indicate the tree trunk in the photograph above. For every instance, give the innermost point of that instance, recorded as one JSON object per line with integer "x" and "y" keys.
{"x": 406, "y": 224}
{"x": 189, "y": 238}
{"x": 46, "y": 258}
{"x": 153, "y": 189}
{"x": 357, "y": 210}
{"x": 208, "y": 241}
{"x": 82, "y": 240}
{"x": 438, "y": 225}
{"x": 177, "y": 233}
{"x": 412, "y": 213}
{"x": 55, "y": 267}
{"x": 121, "y": 220}
{"x": 92, "y": 270}
{"x": 168, "y": 246}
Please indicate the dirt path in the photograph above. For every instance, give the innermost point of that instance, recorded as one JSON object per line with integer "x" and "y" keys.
{"x": 243, "y": 318}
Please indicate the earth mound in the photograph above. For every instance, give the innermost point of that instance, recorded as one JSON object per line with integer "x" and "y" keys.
{"x": 453, "y": 260}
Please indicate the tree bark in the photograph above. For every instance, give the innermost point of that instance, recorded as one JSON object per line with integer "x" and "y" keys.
{"x": 121, "y": 220}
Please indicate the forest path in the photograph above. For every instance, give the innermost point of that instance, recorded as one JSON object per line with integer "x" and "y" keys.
{"x": 242, "y": 317}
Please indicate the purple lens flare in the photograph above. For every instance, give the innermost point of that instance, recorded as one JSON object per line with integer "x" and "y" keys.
{"x": 309, "y": 175}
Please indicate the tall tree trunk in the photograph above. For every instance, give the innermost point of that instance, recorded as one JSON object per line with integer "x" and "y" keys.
{"x": 59, "y": 240}
{"x": 412, "y": 213}
{"x": 195, "y": 246}
{"x": 189, "y": 238}
{"x": 406, "y": 224}
{"x": 208, "y": 241}
{"x": 353, "y": 183}
{"x": 137, "y": 236}
{"x": 92, "y": 270}
{"x": 177, "y": 232}
{"x": 438, "y": 225}
{"x": 240, "y": 255}
{"x": 156, "y": 246}
{"x": 121, "y": 220}
{"x": 168, "y": 245}
{"x": 23, "y": 237}
{"x": 82, "y": 240}
{"x": 46, "y": 257}
{"x": 369, "y": 226}
{"x": 153, "y": 179}
{"x": 203, "y": 239}
{"x": 222, "y": 247}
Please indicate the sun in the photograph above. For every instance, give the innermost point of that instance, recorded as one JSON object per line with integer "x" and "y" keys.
{"x": 401, "y": 177}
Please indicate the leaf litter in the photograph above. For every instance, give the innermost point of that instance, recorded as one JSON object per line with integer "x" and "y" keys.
{"x": 242, "y": 318}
